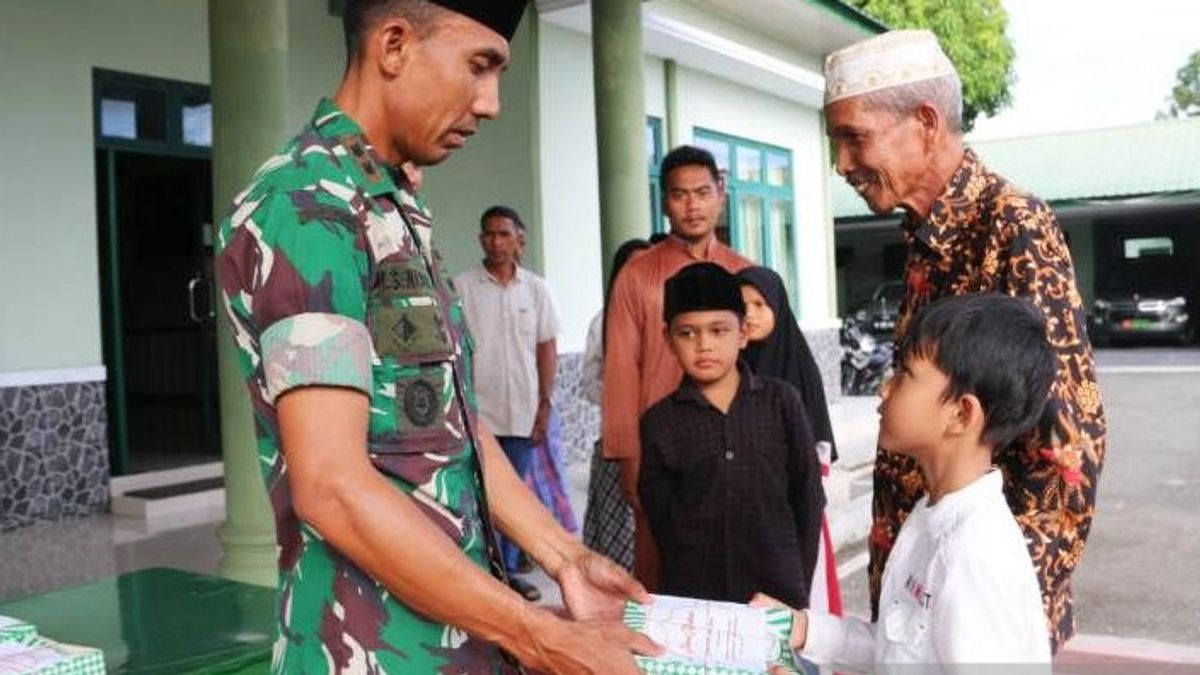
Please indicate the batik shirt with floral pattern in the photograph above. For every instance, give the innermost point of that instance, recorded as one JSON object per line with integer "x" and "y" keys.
{"x": 984, "y": 235}
{"x": 328, "y": 277}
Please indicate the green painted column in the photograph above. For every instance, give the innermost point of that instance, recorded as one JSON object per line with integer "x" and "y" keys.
{"x": 248, "y": 43}
{"x": 620, "y": 123}
{"x": 675, "y": 136}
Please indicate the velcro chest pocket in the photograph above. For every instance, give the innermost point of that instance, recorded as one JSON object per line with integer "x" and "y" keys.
{"x": 405, "y": 315}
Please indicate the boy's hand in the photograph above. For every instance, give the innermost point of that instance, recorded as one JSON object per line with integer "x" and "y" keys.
{"x": 799, "y": 619}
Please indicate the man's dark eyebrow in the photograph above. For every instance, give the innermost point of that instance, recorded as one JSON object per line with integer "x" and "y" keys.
{"x": 495, "y": 58}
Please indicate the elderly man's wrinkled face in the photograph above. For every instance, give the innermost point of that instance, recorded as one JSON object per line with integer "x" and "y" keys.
{"x": 880, "y": 154}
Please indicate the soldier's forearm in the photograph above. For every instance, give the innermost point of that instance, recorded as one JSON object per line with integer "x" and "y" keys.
{"x": 382, "y": 530}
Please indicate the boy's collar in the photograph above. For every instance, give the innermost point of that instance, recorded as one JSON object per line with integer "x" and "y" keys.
{"x": 688, "y": 391}
{"x": 951, "y": 507}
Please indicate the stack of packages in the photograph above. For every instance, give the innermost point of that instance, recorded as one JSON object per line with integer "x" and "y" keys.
{"x": 702, "y": 637}
{"x": 24, "y": 652}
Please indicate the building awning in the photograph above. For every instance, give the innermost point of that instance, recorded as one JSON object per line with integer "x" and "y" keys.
{"x": 775, "y": 46}
{"x": 1152, "y": 162}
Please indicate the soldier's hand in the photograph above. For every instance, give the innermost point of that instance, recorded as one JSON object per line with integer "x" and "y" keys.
{"x": 594, "y": 587}
{"x": 590, "y": 648}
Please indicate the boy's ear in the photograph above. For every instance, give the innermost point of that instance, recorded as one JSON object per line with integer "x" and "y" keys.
{"x": 966, "y": 416}
{"x": 743, "y": 334}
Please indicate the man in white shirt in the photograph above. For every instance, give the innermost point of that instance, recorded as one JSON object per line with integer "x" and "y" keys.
{"x": 514, "y": 322}
{"x": 959, "y": 586}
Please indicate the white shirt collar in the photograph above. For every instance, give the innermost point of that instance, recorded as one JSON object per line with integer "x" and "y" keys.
{"x": 485, "y": 275}
{"x": 954, "y": 506}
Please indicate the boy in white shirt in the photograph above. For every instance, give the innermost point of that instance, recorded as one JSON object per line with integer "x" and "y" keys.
{"x": 959, "y": 586}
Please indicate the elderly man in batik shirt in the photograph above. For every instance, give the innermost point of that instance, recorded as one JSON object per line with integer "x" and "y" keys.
{"x": 893, "y": 107}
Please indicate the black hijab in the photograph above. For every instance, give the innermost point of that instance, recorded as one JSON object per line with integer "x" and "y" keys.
{"x": 785, "y": 353}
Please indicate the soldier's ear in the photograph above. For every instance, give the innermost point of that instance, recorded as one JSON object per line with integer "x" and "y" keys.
{"x": 390, "y": 42}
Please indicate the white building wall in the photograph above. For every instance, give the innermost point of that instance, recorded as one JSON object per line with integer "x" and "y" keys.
{"x": 49, "y": 267}
{"x": 715, "y": 104}
{"x": 570, "y": 181}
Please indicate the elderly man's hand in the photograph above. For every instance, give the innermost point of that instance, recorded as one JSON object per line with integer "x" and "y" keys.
{"x": 594, "y": 587}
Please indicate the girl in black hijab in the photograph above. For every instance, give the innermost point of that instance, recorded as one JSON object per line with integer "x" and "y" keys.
{"x": 778, "y": 349}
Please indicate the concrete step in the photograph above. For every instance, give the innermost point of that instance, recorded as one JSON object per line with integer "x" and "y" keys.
{"x": 165, "y": 500}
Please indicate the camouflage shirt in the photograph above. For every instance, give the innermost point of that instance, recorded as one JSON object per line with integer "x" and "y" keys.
{"x": 328, "y": 277}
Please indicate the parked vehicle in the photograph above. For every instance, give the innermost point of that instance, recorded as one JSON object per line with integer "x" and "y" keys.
{"x": 866, "y": 360}
{"x": 879, "y": 313}
{"x": 1146, "y": 298}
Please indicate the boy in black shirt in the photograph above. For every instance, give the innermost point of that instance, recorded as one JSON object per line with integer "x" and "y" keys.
{"x": 729, "y": 481}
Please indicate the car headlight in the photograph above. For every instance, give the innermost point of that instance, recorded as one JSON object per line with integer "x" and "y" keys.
{"x": 1177, "y": 303}
{"x": 1102, "y": 305}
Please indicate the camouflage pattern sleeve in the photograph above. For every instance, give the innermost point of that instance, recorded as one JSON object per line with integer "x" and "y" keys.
{"x": 296, "y": 288}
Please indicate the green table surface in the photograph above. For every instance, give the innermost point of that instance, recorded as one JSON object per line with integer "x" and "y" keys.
{"x": 160, "y": 621}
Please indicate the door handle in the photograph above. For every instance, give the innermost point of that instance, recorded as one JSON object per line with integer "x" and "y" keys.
{"x": 196, "y": 282}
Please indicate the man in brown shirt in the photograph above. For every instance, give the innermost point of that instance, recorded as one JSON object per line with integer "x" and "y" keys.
{"x": 893, "y": 107}
{"x": 639, "y": 369}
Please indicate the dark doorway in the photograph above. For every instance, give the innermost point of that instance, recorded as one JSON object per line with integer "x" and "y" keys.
{"x": 154, "y": 200}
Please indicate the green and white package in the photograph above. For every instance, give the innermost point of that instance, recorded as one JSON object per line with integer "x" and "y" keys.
{"x": 703, "y": 637}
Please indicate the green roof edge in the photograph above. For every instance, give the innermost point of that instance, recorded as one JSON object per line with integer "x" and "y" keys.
{"x": 851, "y": 15}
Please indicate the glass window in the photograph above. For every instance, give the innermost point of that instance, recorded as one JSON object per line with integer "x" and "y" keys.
{"x": 651, "y": 144}
{"x": 197, "y": 121}
{"x": 779, "y": 168}
{"x": 749, "y": 164}
{"x": 781, "y": 234}
{"x": 654, "y": 157}
{"x": 750, "y": 228}
{"x": 760, "y": 213}
{"x": 133, "y": 113}
{"x": 719, "y": 150}
{"x": 1144, "y": 247}
{"x": 118, "y": 119}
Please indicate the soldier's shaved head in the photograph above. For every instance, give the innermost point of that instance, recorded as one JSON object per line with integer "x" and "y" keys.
{"x": 359, "y": 16}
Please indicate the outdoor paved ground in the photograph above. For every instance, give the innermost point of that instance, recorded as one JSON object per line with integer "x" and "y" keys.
{"x": 1138, "y": 578}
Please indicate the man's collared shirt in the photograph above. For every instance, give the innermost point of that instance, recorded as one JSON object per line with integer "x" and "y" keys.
{"x": 734, "y": 499}
{"x": 984, "y": 235}
{"x": 328, "y": 279}
{"x": 959, "y": 589}
{"x": 639, "y": 368}
{"x": 508, "y": 322}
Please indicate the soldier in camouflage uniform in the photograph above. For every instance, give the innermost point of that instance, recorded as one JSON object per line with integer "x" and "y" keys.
{"x": 357, "y": 359}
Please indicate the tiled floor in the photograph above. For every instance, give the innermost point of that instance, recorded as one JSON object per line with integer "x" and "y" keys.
{"x": 46, "y": 556}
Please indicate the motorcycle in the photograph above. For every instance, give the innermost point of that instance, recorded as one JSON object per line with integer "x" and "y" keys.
{"x": 866, "y": 360}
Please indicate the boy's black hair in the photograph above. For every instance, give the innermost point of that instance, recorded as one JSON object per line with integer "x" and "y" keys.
{"x": 993, "y": 346}
{"x": 501, "y": 211}
{"x": 702, "y": 287}
{"x": 686, "y": 155}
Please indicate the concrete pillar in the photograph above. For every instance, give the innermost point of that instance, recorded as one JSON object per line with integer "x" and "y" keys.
{"x": 620, "y": 123}
{"x": 248, "y": 46}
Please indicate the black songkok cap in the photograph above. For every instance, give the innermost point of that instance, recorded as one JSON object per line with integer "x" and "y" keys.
{"x": 501, "y": 16}
{"x": 702, "y": 287}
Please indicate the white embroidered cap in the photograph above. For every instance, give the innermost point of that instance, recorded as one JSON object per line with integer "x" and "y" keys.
{"x": 892, "y": 59}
